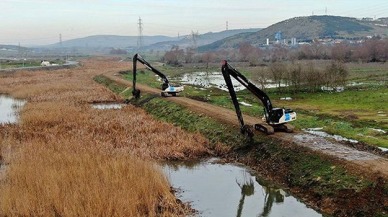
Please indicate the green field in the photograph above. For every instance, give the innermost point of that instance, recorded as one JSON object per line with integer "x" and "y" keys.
{"x": 359, "y": 113}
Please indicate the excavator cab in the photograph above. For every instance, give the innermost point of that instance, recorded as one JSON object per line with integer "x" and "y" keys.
{"x": 281, "y": 115}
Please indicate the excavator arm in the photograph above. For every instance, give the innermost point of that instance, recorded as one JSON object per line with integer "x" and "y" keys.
{"x": 167, "y": 89}
{"x": 226, "y": 73}
{"x": 274, "y": 117}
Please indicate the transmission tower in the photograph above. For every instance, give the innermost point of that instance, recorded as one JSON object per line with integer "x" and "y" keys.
{"x": 140, "y": 39}
{"x": 60, "y": 40}
{"x": 227, "y": 25}
{"x": 194, "y": 37}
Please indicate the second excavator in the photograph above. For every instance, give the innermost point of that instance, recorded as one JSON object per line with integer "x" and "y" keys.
{"x": 275, "y": 118}
{"x": 167, "y": 89}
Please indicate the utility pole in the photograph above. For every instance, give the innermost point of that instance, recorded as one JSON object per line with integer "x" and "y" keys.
{"x": 60, "y": 40}
{"x": 227, "y": 27}
{"x": 20, "y": 51}
{"x": 140, "y": 40}
{"x": 60, "y": 44}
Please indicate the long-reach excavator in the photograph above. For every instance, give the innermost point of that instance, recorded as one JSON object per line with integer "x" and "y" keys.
{"x": 275, "y": 118}
{"x": 167, "y": 89}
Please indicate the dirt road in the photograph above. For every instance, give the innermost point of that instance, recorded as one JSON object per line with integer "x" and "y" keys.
{"x": 367, "y": 161}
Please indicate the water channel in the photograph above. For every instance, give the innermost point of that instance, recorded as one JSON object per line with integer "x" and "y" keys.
{"x": 9, "y": 109}
{"x": 228, "y": 190}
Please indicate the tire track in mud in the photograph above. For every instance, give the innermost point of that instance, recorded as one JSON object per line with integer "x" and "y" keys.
{"x": 368, "y": 161}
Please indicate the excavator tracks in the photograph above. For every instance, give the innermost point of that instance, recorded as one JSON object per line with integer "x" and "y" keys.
{"x": 268, "y": 129}
{"x": 265, "y": 128}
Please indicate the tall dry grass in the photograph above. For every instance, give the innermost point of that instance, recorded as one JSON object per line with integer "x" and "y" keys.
{"x": 68, "y": 159}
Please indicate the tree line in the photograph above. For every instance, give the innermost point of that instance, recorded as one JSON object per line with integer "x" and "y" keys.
{"x": 296, "y": 77}
{"x": 369, "y": 50}
{"x": 281, "y": 63}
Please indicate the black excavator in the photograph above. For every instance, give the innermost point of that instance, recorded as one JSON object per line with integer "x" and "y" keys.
{"x": 167, "y": 89}
{"x": 275, "y": 118}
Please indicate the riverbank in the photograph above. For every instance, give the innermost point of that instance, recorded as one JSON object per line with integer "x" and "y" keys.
{"x": 325, "y": 182}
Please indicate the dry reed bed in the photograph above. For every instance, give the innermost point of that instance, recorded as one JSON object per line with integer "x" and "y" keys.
{"x": 66, "y": 158}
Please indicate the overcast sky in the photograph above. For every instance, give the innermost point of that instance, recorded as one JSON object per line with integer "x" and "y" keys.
{"x": 39, "y": 22}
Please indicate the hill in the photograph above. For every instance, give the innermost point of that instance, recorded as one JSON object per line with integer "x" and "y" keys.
{"x": 112, "y": 41}
{"x": 202, "y": 39}
{"x": 306, "y": 29}
{"x": 158, "y": 42}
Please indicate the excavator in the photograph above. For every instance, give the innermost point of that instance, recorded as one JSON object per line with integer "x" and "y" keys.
{"x": 167, "y": 89}
{"x": 275, "y": 118}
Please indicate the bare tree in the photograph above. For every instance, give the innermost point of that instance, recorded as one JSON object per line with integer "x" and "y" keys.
{"x": 341, "y": 52}
{"x": 312, "y": 77}
{"x": 278, "y": 70}
{"x": 260, "y": 78}
{"x": 249, "y": 53}
{"x": 207, "y": 57}
{"x": 173, "y": 56}
{"x": 279, "y": 53}
{"x": 335, "y": 74}
{"x": 295, "y": 76}
{"x": 189, "y": 54}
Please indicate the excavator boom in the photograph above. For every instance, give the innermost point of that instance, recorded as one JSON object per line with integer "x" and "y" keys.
{"x": 276, "y": 118}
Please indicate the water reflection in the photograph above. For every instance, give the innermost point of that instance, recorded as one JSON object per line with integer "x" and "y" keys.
{"x": 247, "y": 189}
{"x": 229, "y": 190}
{"x": 9, "y": 109}
{"x": 272, "y": 195}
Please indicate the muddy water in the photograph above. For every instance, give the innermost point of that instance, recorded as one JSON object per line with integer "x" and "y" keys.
{"x": 228, "y": 190}
{"x": 9, "y": 108}
{"x": 214, "y": 79}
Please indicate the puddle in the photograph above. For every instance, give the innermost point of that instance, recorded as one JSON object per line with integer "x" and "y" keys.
{"x": 108, "y": 106}
{"x": 9, "y": 109}
{"x": 333, "y": 89}
{"x": 227, "y": 190}
{"x": 318, "y": 132}
{"x": 208, "y": 80}
{"x": 383, "y": 149}
{"x": 355, "y": 83}
{"x": 378, "y": 130}
{"x": 215, "y": 79}
{"x": 246, "y": 104}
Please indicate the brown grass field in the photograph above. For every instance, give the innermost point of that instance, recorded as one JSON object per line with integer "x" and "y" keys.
{"x": 65, "y": 158}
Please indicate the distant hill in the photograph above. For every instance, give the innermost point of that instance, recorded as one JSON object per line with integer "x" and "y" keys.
{"x": 201, "y": 39}
{"x": 112, "y": 41}
{"x": 305, "y": 29}
{"x": 10, "y": 47}
{"x": 149, "y": 42}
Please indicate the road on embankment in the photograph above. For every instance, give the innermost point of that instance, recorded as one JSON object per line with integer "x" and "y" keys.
{"x": 366, "y": 161}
